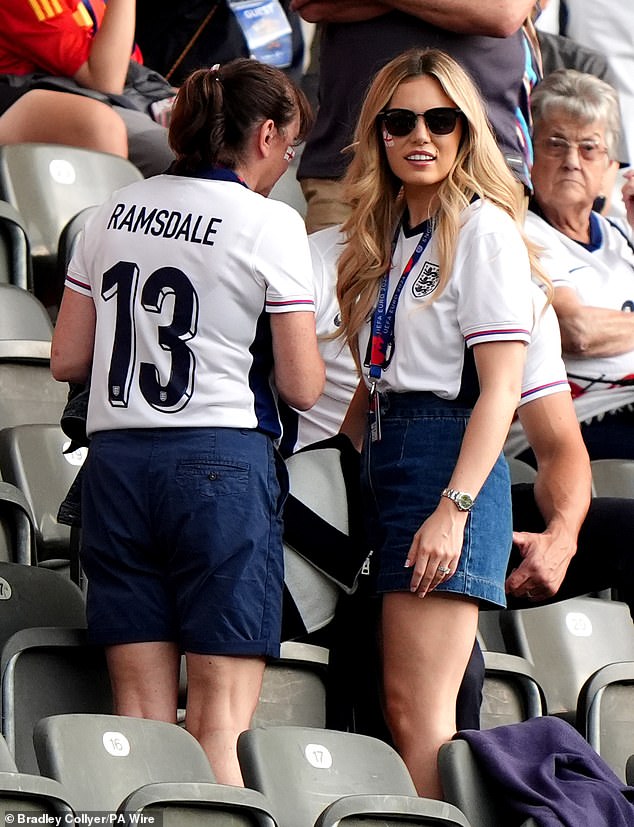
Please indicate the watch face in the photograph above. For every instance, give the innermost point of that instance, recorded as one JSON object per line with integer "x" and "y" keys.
{"x": 464, "y": 502}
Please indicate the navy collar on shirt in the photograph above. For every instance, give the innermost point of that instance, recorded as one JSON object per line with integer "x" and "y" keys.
{"x": 596, "y": 233}
{"x": 212, "y": 173}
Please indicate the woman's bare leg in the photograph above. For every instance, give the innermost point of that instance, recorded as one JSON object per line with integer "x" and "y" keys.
{"x": 144, "y": 678}
{"x": 426, "y": 646}
{"x": 222, "y": 693}
{"x": 44, "y": 116}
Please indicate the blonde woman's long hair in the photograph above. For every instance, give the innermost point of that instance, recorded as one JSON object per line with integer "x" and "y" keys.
{"x": 375, "y": 195}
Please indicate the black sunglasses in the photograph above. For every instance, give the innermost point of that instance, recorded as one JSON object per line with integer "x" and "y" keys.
{"x": 441, "y": 120}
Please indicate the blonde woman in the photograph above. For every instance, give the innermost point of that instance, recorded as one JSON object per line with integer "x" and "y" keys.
{"x": 434, "y": 291}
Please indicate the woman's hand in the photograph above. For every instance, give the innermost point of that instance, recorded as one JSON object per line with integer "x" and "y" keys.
{"x": 436, "y": 547}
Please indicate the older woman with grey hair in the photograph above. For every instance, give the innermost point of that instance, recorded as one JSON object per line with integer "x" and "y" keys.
{"x": 591, "y": 259}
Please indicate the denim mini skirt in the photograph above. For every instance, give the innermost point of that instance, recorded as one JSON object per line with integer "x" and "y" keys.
{"x": 403, "y": 475}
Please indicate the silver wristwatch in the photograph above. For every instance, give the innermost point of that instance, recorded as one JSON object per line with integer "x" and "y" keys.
{"x": 463, "y": 501}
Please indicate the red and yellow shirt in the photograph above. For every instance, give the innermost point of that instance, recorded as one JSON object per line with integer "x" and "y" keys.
{"x": 53, "y": 36}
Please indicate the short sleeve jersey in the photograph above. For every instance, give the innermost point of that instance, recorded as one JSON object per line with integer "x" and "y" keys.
{"x": 487, "y": 299}
{"x": 602, "y": 275}
{"x": 544, "y": 371}
{"x": 184, "y": 273}
{"x": 53, "y": 36}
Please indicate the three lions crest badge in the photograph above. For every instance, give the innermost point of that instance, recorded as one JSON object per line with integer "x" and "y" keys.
{"x": 426, "y": 281}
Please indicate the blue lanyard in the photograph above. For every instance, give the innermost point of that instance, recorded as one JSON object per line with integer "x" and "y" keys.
{"x": 382, "y": 338}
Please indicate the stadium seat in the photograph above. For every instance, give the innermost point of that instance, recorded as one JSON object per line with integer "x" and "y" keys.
{"x": 567, "y": 642}
{"x": 17, "y": 526}
{"x": 521, "y": 471}
{"x": 101, "y": 759}
{"x": 35, "y": 459}
{"x": 489, "y": 632}
{"x": 35, "y": 797}
{"x": 465, "y": 786}
{"x": 48, "y": 671}
{"x": 511, "y": 691}
{"x": 193, "y": 804}
{"x": 28, "y": 392}
{"x": 294, "y": 687}
{"x": 15, "y": 250}
{"x": 31, "y": 596}
{"x": 68, "y": 238}
{"x": 304, "y": 771}
{"x": 110, "y": 763}
{"x": 49, "y": 184}
{"x": 605, "y": 714}
{"x": 612, "y": 477}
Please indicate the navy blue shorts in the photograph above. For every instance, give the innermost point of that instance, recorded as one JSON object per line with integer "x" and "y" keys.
{"x": 403, "y": 475}
{"x": 182, "y": 539}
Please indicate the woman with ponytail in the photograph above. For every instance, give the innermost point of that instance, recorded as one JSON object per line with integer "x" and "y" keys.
{"x": 189, "y": 302}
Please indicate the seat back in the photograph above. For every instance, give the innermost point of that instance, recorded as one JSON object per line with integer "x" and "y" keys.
{"x": 605, "y": 714}
{"x": 567, "y": 642}
{"x": 49, "y": 184}
{"x": 197, "y": 803}
{"x": 466, "y": 788}
{"x": 294, "y": 687}
{"x": 17, "y": 526}
{"x": 68, "y": 239}
{"x": 301, "y": 770}
{"x": 520, "y": 471}
{"x": 511, "y": 691}
{"x": 28, "y": 392}
{"x": 31, "y": 596}
{"x": 612, "y": 477}
{"x": 48, "y": 671}
{"x": 15, "y": 249}
{"x": 101, "y": 759}
{"x": 33, "y": 458}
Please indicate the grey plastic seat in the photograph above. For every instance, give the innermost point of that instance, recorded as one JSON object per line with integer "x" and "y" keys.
{"x": 511, "y": 691}
{"x": 33, "y": 457}
{"x": 114, "y": 763}
{"x": 31, "y": 596}
{"x": 49, "y": 184}
{"x": 294, "y": 687}
{"x": 17, "y": 526}
{"x": 28, "y": 392}
{"x": 30, "y": 795}
{"x": 605, "y": 714}
{"x": 101, "y": 759}
{"x": 567, "y": 642}
{"x": 15, "y": 249}
{"x": 191, "y": 804}
{"x": 521, "y": 471}
{"x": 48, "y": 671}
{"x": 68, "y": 239}
{"x": 489, "y": 631}
{"x": 465, "y": 787}
{"x": 612, "y": 477}
{"x": 314, "y": 776}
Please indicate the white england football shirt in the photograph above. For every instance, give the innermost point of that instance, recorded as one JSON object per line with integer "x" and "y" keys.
{"x": 544, "y": 371}
{"x": 487, "y": 299}
{"x": 602, "y": 275}
{"x": 183, "y": 273}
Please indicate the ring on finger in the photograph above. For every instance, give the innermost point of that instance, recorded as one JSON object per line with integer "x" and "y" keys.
{"x": 444, "y": 570}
